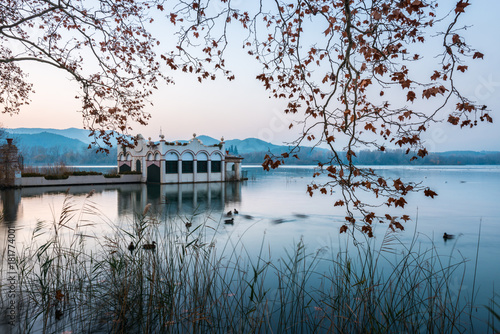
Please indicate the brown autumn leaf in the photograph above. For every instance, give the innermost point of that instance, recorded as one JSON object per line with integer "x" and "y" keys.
{"x": 477, "y": 55}
{"x": 410, "y": 96}
{"x": 405, "y": 217}
{"x": 460, "y": 8}
{"x": 429, "y": 193}
{"x": 400, "y": 202}
{"x": 453, "y": 119}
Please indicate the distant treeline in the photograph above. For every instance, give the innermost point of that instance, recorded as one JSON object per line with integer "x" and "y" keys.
{"x": 391, "y": 157}
{"x": 398, "y": 157}
{"x": 39, "y": 155}
{"x": 305, "y": 157}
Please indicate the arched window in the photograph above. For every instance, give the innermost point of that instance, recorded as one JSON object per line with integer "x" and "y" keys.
{"x": 171, "y": 163}
{"x": 216, "y": 163}
{"x": 187, "y": 163}
{"x": 157, "y": 156}
{"x": 138, "y": 166}
{"x": 149, "y": 157}
{"x": 202, "y": 162}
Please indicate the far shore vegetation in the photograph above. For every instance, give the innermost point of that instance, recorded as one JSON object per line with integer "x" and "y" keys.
{"x": 41, "y": 156}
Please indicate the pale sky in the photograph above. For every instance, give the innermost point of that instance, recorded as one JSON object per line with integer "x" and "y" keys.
{"x": 242, "y": 108}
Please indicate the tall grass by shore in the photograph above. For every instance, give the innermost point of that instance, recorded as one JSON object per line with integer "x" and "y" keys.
{"x": 71, "y": 280}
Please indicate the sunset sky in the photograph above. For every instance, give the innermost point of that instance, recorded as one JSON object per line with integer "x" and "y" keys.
{"x": 242, "y": 108}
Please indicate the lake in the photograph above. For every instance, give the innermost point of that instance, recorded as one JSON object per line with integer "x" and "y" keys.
{"x": 274, "y": 210}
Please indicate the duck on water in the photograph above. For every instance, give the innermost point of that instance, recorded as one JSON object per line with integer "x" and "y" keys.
{"x": 447, "y": 236}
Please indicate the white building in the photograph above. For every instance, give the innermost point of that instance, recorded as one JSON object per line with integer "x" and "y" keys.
{"x": 175, "y": 162}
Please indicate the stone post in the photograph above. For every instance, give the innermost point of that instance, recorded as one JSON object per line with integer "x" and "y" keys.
{"x": 9, "y": 164}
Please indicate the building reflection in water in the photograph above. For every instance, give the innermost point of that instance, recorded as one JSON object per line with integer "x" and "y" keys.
{"x": 170, "y": 200}
{"x": 10, "y": 204}
{"x": 179, "y": 199}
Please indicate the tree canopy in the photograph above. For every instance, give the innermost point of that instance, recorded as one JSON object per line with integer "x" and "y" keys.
{"x": 353, "y": 71}
{"x": 357, "y": 75}
{"x": 104, "y": 45}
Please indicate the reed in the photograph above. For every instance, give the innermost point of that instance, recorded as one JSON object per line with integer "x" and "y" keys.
{"x": 72, "y": 280}
{"x": 494, "y": 314}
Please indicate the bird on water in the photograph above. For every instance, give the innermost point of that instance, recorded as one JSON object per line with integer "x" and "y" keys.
{"x": 131, "y": 247}
{"x": 447, "y": 236}
{"x": 151, "y": 246}
{"x": 229, "y": 221}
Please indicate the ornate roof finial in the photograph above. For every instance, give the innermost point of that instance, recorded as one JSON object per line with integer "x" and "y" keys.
{"x": 194, "y": 135}
{"x": 222, "y": 139}
{"x": 162, "y": 137}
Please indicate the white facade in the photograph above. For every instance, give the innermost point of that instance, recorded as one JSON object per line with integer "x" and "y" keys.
{"x": 174, "y": 162}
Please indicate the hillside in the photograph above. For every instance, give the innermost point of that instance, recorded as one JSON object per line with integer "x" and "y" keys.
{"x": 248, "y": 145}
{"x": 45, "y": 146}
{"x": 47, "y": 140}
{"x": 41, "y": 147}
{"x": 73, "y": 133}
{"x": 251, "y": 145}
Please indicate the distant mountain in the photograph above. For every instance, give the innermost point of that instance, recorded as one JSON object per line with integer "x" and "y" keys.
{"x": 249, "y": 145}
{"x": 33, "y": 140}
{"x": 206, "y": 140}
{"x": 70, "y": 145}
{"x": 47, "y": 140}
{"x": 42, "y": 148}
{"x": 74, "y": 133}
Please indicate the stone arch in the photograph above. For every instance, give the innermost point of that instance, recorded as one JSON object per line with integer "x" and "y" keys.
{"x": 172, "y": 156}
{"x": 188, "y": 155}
{"x": 216, "y": 163}
{"x": 187, "y": 162}
{"x": 172, "y": 162}
{"x": 216, "y": 156}
{"x": 202, "y": 155}
{"x": 202, "y": 162}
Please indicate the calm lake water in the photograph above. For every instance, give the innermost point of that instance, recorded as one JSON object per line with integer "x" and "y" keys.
{"x": 275, "y": 209}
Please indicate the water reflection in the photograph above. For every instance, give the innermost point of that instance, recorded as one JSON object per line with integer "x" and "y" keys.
{"x": 178, "y": 199}
{"x": 170, "y": 199}
{"x": 10, "y": 204}
{"x": 275, "y": 211}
